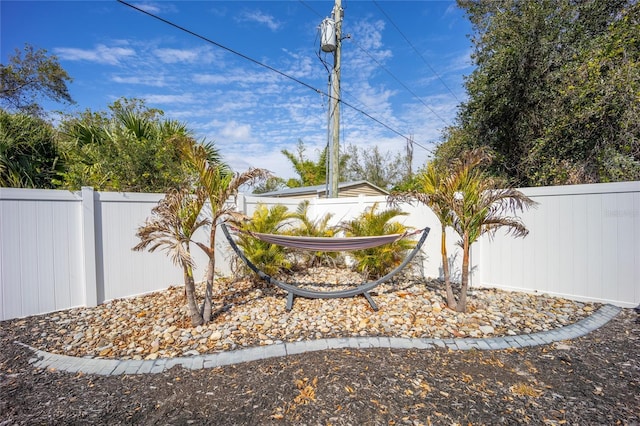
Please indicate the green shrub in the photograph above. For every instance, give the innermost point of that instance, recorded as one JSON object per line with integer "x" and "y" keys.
{"x": 314, "y": 228}
{"x": 270, "y": 258}
{"x": 377, "y": 261}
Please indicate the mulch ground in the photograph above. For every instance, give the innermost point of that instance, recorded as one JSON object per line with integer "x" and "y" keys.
{"x": 591, "y": 380}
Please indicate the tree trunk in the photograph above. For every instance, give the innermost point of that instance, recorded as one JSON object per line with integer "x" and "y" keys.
{"x": 462, "y": 301}
{"x": 190, "y": 293}
{"x": 207, "y": 304}
{"x": 451, "y": 301}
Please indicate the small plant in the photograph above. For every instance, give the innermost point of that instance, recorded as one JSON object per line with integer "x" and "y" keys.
{"x": 375, "y": 262}
{"x": 270, "y": 258}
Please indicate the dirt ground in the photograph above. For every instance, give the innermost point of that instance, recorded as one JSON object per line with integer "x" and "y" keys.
{"x": 594, "y": 380}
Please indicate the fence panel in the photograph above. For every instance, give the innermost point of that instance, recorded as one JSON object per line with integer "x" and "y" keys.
{"x": 61, "y": 249}
{"x": 584, "y": 243}
{"x": 122, "y": 271}
{"x": 41, "y": 252}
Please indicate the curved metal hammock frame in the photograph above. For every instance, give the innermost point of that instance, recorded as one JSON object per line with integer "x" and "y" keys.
{"x": 329, "y": 244}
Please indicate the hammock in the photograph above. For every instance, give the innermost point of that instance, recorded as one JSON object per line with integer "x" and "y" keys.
{"x": 328, "y": 244}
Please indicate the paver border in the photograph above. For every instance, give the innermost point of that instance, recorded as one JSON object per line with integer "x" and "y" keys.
{"x": 114, "y": 367}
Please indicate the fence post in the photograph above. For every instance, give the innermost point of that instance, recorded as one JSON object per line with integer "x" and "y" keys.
{"x": 89, "y": 247}
{"x": 242, "y": 203}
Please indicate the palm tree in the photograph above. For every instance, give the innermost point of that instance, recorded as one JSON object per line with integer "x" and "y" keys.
{"x": 480, "y": 206}
{"x": 175, "y": 220}
{"x": 436, "y": 189}
{"x": 463, "y": 197}
{"x": 129, "y": 149}
{"x": 219, "y": 184}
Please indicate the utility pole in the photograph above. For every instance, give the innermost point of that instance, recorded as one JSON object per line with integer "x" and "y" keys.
{"x": 334, "y": 147}
{"x": 409, "y": 157}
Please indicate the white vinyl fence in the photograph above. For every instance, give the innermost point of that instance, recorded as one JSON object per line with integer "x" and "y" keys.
{"x": 61, "y": 249}
{"x": 584, "y": 243}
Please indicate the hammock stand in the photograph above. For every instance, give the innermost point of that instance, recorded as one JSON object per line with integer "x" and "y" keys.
{"x": 327, "y": 244}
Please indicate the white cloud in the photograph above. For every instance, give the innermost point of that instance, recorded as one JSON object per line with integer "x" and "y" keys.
{"x": 101, "y": 54}
{"x": 236, "y": 131}
{"x": 461, "y": 62}
{"x": 369, "y": 33}
{"x": 156, "y": 8}
{"x": 271, "y": 159}
{"x": 156, "y": 81}
{"x": 235, "y": 76}
{"x": 302, "y": 66}
{"x": 170, "y": 99}
{"x": 260, "y": 18}
{"x": 202, "y": 55}
{"x": 149, "y": 7}
{"x": 238, "y": 102}
{"x": 367, "y": 51}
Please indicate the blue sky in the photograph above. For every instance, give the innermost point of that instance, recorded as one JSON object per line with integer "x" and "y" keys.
{"x": 404, "y": 65}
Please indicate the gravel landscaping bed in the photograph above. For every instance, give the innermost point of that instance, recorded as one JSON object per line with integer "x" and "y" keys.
{"x": 594, "y": 379}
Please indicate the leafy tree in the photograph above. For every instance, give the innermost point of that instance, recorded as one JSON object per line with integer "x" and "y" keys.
{"x": 376, "y": 261}
{"x": 554, "y": 95}
{"x": 383, "y": 170}
{"x": 129, "y": 149}
{"x": 274, "y": 183}
{"x": 30, "y": 76}
{"x": 29, "y": 155}
{"x": 172, "y": 226}
{"x": 311, "y": 173}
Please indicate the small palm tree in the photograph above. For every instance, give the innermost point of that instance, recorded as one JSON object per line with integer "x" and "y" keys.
{"x": 220, "y": 185}
{"x": 376, "y": 261}
{"x": 435, "y": 188}
{"x": 480, "y": 207}
{"x": 171, "y": 228}
{"x": 464, "y": 198}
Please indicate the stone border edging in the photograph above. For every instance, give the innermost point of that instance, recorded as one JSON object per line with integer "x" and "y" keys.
{"x": 114, "y": 367}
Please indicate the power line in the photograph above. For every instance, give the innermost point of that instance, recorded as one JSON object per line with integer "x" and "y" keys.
{"x": 310, "y": 8}
{"x": 410, "y": 139}
{"x": 228, "y": 49}
{"x": 270, "y": 68}
{"x": 415, "y": 50}
{"x": 384, "y": 68}
{"x": 417, "y": 97}
{"x": 402, "y": 84}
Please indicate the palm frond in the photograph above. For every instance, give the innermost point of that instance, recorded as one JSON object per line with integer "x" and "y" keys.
{"x": 171, "y": 227}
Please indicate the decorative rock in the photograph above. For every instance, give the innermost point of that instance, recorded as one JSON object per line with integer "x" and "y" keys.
{"x": 406, "y": 309}
{"x": 486, "y": 329}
